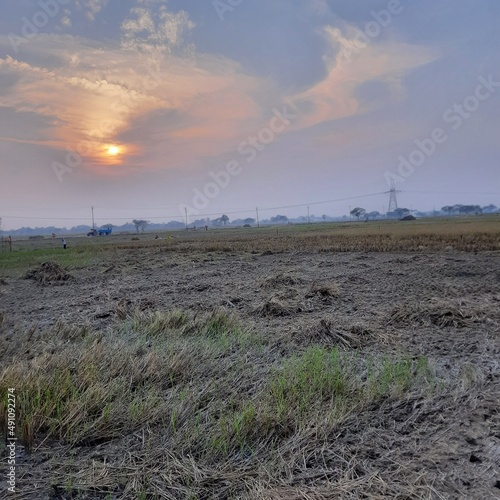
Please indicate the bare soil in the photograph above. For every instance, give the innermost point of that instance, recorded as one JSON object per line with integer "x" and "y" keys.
{"x": 443, "y": 305}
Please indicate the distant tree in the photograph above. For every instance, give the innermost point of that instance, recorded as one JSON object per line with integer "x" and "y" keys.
{"x": 223, "y": 219}
{"x": 279, "y": 219}
{"x": 401, "y": 212}
{"x": 447, "y": 209}
{"x": 372, "y": 215}
{"x": 358, "y": 212}
{"x": 489, "y": 209}
{"x": 470, "y": 209}
{"x": 249, "y": 220}
{"x": 200, "y": 222}
{"x": 140, "y": 224}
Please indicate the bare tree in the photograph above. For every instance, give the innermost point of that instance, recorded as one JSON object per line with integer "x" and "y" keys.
{"x": 140, "y": 224}
{"x": 358, "y": 212}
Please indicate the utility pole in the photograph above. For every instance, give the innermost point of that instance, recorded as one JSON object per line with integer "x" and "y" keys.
{"x": 186, "y": 212}
{"x": 308, "y": 215}
{"x": 93, "y": 222}
{"x": 350, "y": 215}
{"x": 257, "y": 212}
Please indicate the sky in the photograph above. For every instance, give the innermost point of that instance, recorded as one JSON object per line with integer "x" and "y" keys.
{"x": 157, "y": 108}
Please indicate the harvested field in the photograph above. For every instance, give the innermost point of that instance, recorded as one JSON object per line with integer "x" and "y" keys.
{"x": 201, "y": 367}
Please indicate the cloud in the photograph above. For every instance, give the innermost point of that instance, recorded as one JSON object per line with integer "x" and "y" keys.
{"x": 155, "y": 31}
{"x": 335, "y": 96}
{"x": 167, "y": 104}
{"x": 93, "y": 7}
{"x": 97, "y": 93}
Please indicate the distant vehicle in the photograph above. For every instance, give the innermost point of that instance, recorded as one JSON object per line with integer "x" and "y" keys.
{"x": 105, "y": 231}
{"x": 102, "y": 231}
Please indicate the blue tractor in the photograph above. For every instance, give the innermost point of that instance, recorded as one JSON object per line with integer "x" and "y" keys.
{"x": 105, "y": 230}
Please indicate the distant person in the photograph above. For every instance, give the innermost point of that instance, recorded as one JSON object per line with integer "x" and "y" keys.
{"x": 64, "y": 243}
{"x": 9, "y": 241}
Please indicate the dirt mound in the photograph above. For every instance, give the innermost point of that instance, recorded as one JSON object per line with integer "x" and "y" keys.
{"x": 48, "y": 272}
{"x": 440, "y": 313}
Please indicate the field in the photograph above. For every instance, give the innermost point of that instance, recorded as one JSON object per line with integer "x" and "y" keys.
{"x": 337, "y": 361}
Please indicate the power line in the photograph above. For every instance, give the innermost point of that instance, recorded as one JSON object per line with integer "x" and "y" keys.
{"x": 180, "y": 215}
{"x": 453, "y": 192}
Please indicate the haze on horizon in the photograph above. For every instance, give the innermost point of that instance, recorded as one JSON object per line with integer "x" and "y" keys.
{"x": 143, "y": 107}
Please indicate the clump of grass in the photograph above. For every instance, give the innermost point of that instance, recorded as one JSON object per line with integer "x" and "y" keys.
{"x": 217, "y": 327}
{"x": 286, "y": 279}
{"x": 329, "y": 334}
{"x": 219, "y": 324}
{"x": 275, "y": 306}
{"x": 84, "y": 393}
{"x": 323, "y": 291}
{"x": 159, "y": 323}
{"x": 322, "y": 381}
{"x": 48, "y": 272}
{"x": 441, "y": 313}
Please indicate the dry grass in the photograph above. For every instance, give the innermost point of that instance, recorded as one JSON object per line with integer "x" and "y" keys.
{"x": 327, "y": 333}
{"x": 198, "y": 401}
{"x": 323, "y": 291}
{"x": 282, "y": 280}
{"x": 443, "y": 313}
{"x": 48, "y": 272}
{"x": 274, "y": 306}
{"x": 476, "y": 234}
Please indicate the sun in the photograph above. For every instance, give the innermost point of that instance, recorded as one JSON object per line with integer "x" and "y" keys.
{"x": 113, "y": 150}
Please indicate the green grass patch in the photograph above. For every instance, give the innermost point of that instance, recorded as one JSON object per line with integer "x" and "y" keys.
{"x": 338, "y": 383}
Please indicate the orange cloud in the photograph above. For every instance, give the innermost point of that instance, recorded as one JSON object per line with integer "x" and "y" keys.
{"x": 335, "y": 96}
